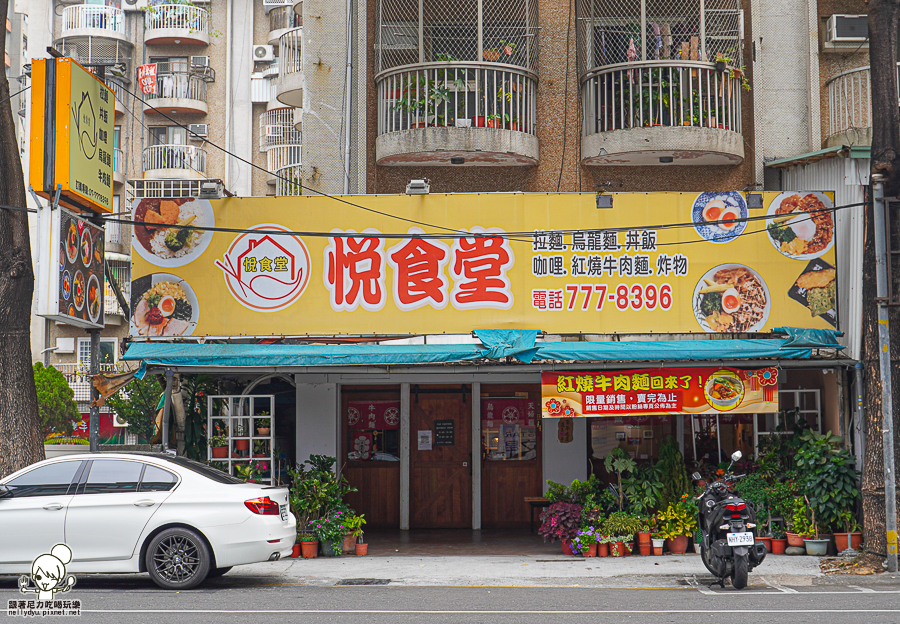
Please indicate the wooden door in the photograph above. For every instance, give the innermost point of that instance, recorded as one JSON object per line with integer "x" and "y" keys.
{"x": 440, "y": 483}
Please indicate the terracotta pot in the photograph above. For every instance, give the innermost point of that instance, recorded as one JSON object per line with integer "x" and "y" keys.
{"x": 242, "y": 445}
{"x": 418, "y": 124}
{"x": 219, "y": 451}
{"x": 617, "y": 549}
{"x": 514, "y": 125}
{"x": 263, "y": 431}
{"x": 349, "y": 541}
{"x": 567, "y": 547}
{"x": 843, "y": 540}
{"x": 794, "y": 540}
{"x": 491, "y": 55}
{"x": 309, "y": 550}
{"x": 295, "y": 552}
{"x": 779, "y": 545}
{"x": 603, "y": 550}
{"x": 657, "y": 550}
{"x": 493, "y": 123}
{"x": 629, "y": 548}
{"x": 677, "y": 546}
{"x": 644, "y": 544}
{"x": 767, "y": 541}
{"x": 361, "y": 550}
{"x": 479, "y": 121}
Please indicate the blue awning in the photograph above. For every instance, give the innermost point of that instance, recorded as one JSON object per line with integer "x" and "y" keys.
{"x": 517, "y": 344}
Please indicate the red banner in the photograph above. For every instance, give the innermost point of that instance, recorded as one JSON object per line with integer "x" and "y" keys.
{"x": 702, "y": 390}
{"x": 147, "y": 78}
{"x": 502, "y": 411}
{"x": 373, "y": 414}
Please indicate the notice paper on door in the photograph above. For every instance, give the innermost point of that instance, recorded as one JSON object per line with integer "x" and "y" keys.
{"x": 425, "y": 440}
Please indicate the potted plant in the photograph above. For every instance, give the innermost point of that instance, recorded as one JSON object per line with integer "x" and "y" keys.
{"x": 309, "y": 545}
{"x": 331, "y": 531}
{"x": 603, "y": 542}
{"x": 586, "y": 541}
{"x": 618, "y": 462}
{"x": 810, "y": 531}
{"x": 260, "y": 448}
{"x": 677, "y": 522}
{"x": 644, "y": 543}
{"x": 623, "y": 525}
{"x": 263, "y": 425}
{"x": 561, "y": 521}
{"x": 355, "y": 524}
{"x": 316, "y": 492}
{"x": 240, "y": 431}
{"x": 219, "y": 445}
{"x": 659, "y": 540}
{"x": 493, "y": 121}
{"x": 491, "y": 54}
{"x": 351, "y": 522}
{"x": 852, "y": 537}
{"x": 779, "y": 542}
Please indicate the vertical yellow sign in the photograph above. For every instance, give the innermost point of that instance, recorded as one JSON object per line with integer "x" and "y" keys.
{"x": 76, "y": 151}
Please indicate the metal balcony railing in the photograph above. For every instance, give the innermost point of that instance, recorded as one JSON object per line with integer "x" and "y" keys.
{"x": 660, "y": 93}
{"x": 281, "y": 156}
{"x": 850, "y": 100}
{"x": 284, "y": 17}
{"x": 276, "y": 127}
{"x": 179, "y": 84}
{"x": 174, "y": 157}
{"x": 94, "y": 16}
{"x": 290, "y": 60}
{"x": 181, "y": 16}
{"x": 117, "y": 89}
{"x": 477, "y": 95}
{"x": 79, "y": 378}
{"x": 118, "y": 160}
{"x": 288, "y": 182}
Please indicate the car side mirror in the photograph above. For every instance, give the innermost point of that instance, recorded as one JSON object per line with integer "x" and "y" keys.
{"x": 696, "y": 476}
{"x": 736, "y": 456}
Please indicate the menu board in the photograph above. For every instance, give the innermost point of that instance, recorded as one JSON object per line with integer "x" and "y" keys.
{"x": 444, "y": 432}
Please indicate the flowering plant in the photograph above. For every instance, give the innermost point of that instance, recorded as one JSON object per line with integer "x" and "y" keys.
{"x": 561, "y": 521}
{"x": 679, "y": 518}
{"x": 331, "y": 529}
{"x": 584, "y": 539}
{"x": 251, "y": 471}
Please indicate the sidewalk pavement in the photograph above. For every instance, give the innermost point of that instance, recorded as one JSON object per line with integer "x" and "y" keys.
{"x": 520, "y": 571}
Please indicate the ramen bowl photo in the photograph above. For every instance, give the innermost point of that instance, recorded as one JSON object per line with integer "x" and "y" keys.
{"x": 723, "y": 390}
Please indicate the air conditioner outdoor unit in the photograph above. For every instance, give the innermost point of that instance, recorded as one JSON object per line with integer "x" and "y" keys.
{"x": 198, "y": 130}
{"x": 274, "y": 131}
{"x": 135, "y": 5}
{"x": 263, "y": 53}
{"x": 847, "y": 28}
{"x": 268, "y": 5}
{"x": 199, "y": 61}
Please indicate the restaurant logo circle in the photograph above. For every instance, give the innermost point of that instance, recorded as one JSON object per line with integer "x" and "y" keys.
{"x": 264, "y": 271}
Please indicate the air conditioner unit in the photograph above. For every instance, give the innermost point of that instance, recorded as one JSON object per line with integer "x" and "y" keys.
{"x": 274, "y": 131}
{"x": 135, "y": 5}
{"x": 199, "y": 61}
{"x": 263, "y": 53}
{"x": 847, "y": 29}
{"x": 268, "y": 5}
{"x": 198, "y": 130}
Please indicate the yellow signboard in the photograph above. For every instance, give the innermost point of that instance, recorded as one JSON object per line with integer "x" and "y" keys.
{"x": 655, "y": 262}
{"x": 71, "y": 135}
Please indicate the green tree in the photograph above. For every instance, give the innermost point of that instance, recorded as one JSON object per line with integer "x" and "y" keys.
{"x": 674, "y": 476}
{"x": 136, "y": 404}
{"x": 194, "y": 390}
{"x": 56, "y": 400}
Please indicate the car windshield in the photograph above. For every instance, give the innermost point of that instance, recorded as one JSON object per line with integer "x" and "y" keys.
{"x": 207, "y": 471}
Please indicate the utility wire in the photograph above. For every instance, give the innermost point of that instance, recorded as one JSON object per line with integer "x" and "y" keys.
{"x": 15, "y": 94}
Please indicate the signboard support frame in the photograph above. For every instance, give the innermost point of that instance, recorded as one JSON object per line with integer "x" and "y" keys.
{"x": 94, "y": 430}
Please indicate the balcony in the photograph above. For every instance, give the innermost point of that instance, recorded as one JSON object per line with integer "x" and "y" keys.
{"x": 167, "y": 24}
{"x": 656, "y": 112}
{"x": 93, "y": 20}
{"x": 438, "y": 113}
{"x": 118, "y": 166}
{"x": 179, "y": 162}
{"x": 88, "y": 49}
{"x": 119, "y": 93}
{"x": 850, "y": 108}
{"x": 670, "y": 96}
{"x": 281, "y": 20}
{"x": 281, "y": 156}
{"x": 456, "y": 83}
{"x": 288, "y": 182}
{"x": 177, "y": 91}
{"x": 290, "y": 67}
{"x": 79, "y": 378}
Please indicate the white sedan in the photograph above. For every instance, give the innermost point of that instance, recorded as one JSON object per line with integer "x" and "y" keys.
{"x": 178, "y": 519}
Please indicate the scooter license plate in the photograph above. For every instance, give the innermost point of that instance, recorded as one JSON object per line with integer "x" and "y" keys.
{"x": 740, "y": 539}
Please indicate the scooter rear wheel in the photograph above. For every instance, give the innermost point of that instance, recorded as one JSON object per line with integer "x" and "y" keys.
{"x": 741, "y": 571}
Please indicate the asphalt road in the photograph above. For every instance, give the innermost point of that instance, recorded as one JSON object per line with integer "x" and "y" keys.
{"x": 134, "y": 600}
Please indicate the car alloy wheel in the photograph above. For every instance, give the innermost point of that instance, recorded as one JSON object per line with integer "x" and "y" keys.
{"x": 178, "y": 558}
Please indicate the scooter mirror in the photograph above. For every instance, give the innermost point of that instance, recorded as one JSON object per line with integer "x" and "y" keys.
{"x": 736, "y": 456}
{"x": 696, "y": 476}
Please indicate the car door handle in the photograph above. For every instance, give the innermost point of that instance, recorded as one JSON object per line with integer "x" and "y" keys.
{"x": 144, "y": 503}
{"x": 53, "y": 506}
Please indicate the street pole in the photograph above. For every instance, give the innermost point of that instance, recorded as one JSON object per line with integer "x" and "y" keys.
{"x": 94, "y": 432}
{"x": 884, "y": 359}
{"x": 167, "y": 410}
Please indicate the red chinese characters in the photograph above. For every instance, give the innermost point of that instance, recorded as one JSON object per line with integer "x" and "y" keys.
{"x": 420, "y": 279}
{"x": 355, "y": 270}
{"x": 479, "y": 270}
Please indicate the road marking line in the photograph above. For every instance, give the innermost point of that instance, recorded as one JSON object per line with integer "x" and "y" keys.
{"x": 865, "y": 590}
{"x": 784, "y": 590}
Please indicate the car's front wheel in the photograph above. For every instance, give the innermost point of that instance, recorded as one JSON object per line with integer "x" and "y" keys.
{"x": 178, "y": 558}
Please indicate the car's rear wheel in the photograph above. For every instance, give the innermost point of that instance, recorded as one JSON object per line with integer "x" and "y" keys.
{"x": 218, "y": 572}
{"x": 178, "y": 558}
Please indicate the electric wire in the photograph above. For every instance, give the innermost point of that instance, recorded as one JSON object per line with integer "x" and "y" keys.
{"x": 15, "y": 94}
